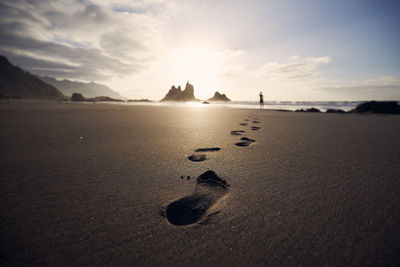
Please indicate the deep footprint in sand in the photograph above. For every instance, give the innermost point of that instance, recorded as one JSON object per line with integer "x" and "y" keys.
{"x": 191, "y": 209}
{"x": 255, "y": 122}
{"x": 238, "y": 132}
{"x": 211, "y": 149}
{"x": 197, "y": 157}
{"x": 255, "y": 128}
{"x": 245, "y": 142}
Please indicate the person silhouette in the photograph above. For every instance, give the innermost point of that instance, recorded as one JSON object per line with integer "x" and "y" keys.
{"x": 261, "y": 100}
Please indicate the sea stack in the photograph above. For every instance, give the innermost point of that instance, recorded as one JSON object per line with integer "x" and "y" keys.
{"x": 219, "y": 97}
{"x": 175, "y": 94}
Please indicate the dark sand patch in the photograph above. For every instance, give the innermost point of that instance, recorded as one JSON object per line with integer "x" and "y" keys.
{"x": 191, "y": 209}
{"x": 245, "y": 142}
{"x": 255, "y": 128}
{"x": 211, "y": 149}
{"x": 237, "y": 132}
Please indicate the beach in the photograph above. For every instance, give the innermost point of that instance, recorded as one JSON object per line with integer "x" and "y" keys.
{"x": 90, "y": 184}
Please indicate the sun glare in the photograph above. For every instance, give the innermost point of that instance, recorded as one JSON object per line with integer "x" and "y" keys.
{"x": 198, "y": 65}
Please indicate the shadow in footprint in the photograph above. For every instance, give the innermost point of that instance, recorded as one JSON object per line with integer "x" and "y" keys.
{"x": 193, "y": 208}
{"x": 255, "y": 128}
{"x": 255, "y": 122}
{"x": 197, "y": 157}
{"x": 238, "y": 132}
{"x": 243, "y": 123}
{"x": 246, "y": 119}
{"x": 245, "y": 142}
{"x": 211, "y": 149}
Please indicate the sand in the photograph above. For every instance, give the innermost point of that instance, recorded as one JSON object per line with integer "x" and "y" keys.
{"x": 91, "y": 184}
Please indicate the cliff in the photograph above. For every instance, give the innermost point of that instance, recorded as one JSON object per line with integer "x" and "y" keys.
{"x": 18, "y": 83}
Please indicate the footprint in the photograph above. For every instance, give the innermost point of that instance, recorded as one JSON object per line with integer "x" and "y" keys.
{"x": 196, "y": 156}
{"x": 211, "y": 149}
{"x": 238, "y": 132}
{"x": 191, "y": 209}
{"x": 255, "y": 122}
{"x": 243, "y": 124}
{"x": 245, "y": 142}
{"x": 246, "y": 119}
{"x": 255, "y": 128}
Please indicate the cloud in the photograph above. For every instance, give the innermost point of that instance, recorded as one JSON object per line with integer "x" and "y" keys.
{"x": 231, "y": 71}
{"x": 78, "y": 39}
{"x": 297, "y": 68}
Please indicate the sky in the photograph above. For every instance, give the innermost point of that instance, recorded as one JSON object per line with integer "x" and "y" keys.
{"x": 308, "y": 50}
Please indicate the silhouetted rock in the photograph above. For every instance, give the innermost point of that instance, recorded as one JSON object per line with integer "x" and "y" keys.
{"x": 77, "y": 97}
{"x": 91, "y": 89}
{"x": 139, "y": 100}
{"x": 219, "y": 97}
{"x": 315, "y": 110}
{"x": 105, "y": 99}
{"x": 175, "y": 94}
{"x": 382, "y": 107}
{"x": 18, "y": 83}
{"x": 335, "y": 111}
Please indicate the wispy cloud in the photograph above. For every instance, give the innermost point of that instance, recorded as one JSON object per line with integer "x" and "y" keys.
{"x": 297, "y": 68}
{"x": 46, "y": 36}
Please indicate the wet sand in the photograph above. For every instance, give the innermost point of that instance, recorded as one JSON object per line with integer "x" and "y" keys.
{"x": 100, "y": 184}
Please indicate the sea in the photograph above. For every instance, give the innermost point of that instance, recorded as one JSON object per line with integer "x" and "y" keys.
{"x": 272, "y": 105}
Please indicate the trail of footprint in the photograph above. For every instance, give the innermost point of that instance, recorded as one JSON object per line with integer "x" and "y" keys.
{"x": 255, "y": 128}
{"x": 237, "y": 132}
{"x": 245, "y": 142}
{"x": 191, "y": 209}
{"x": 196, "y": 156}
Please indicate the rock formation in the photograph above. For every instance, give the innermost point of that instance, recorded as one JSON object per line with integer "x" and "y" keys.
{"x": 314, "y": 110}
{"x": 383, "y": 107}
{"x": 175, "y": 94}
{"x": 219, "y": 97}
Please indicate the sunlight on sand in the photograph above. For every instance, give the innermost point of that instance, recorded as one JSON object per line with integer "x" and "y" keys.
{"x": 196, "y": 104}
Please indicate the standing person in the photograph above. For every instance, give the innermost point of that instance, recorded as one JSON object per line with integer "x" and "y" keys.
{"x": 261, "y": 100}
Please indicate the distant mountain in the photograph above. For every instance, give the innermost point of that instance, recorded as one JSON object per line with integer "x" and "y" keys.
{"x": 91, "y": 89}
{"x": 18, "y": 83}
{"x": 219, "y": 97}
{"x": 175, "y": 94}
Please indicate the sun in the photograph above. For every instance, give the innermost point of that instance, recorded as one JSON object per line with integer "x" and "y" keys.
{"x": 200, "y": 66}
